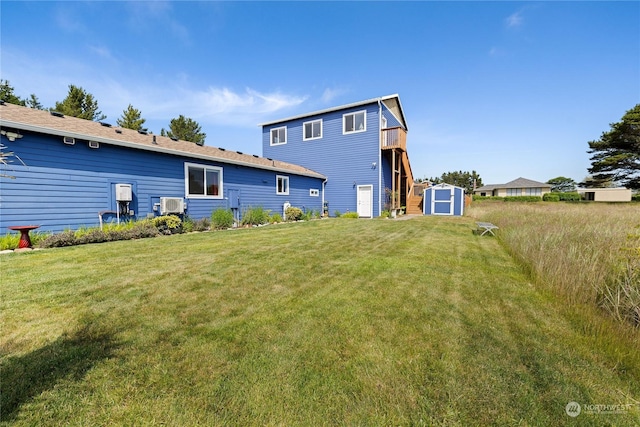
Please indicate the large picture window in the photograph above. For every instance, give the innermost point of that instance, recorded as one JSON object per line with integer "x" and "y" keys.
{"x": 203, "y": 181}
{"x": 312, "y": 130}
{"x": 279, "y": 136}
{"x": 282, "y": 185}
{"x": 354, "y": 122}
{"x": 514, "y": 191}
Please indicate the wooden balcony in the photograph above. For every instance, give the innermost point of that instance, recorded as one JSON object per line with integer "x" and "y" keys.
{"x": 394, "y": 138}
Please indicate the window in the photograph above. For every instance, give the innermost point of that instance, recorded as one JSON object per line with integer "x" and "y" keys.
{"x": 514, "y": 191}
{"x": 282, "y": 185}
{"x": 203, "y": 181}
{"x": 279, "y": 136}
{"x": 314, "y": 192}
{"x": 534, "y": 191}
{"x": 312, "y": 130}
{"x": 354, "y": 122}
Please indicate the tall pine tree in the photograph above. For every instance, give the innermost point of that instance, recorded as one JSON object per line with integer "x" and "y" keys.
{"x": 79, "y": 103}
{"x": 186, "y": 129}
{"x": 131, "y": 119}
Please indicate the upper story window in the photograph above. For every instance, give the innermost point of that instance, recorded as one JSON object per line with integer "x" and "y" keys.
{"x": 312, "y": 130}
{"x": 354, "y": 122}
{"x": 203, "y": 181}
{"x": 282, "y": 185}
{"x": 279, "y": 136}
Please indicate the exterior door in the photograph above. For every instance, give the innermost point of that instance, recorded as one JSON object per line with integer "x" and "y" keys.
{"x": 365, "y": 201}
{"x": 442, "y": 201}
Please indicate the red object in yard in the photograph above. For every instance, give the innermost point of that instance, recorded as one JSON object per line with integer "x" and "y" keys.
{"x": 25, "y": 241}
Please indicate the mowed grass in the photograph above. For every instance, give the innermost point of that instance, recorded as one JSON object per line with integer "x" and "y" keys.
{"x": 333, "y": 322}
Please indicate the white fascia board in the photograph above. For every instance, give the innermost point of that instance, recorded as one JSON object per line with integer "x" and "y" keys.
{"x": 329, "y": 110}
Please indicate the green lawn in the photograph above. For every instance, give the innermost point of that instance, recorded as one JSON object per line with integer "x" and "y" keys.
{"x": 332, "y": 322}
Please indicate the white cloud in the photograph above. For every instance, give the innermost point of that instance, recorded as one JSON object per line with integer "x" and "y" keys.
{"x": 330, "y": 94}
{"x": 514, "y": 20}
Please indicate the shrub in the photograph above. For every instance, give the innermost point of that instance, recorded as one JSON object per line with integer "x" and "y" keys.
{"x": 551, "y": 197}
{"x": 168, "y": 224}
{"x": 570, "y": 197}
{"x": 255, "y": 216}
{"x": 522, "y": 199}
{"x": 276, "y": 217}
{"x": 66, "y": 238}
{"x": 203, "y": 224}
{"x": 221, "y": 219}
{"x": 336, "y": 213}
{"x": 636, "y": 197}
{"x": 351, "y": 215}
{"x": 293, "y": 214}
{"x": 187, "y": 224}
{"x": 10, "y": 241}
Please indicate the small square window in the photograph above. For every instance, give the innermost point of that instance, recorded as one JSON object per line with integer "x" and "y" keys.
{"x": 282, "y": 185}
{"x": 354, "y": 122}
{"x": 312, "y": 130}
{"x": 313, "y": 192}
{"x": 279, "y": 136}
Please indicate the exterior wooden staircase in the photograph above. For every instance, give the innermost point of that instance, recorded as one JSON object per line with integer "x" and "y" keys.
{"x": 410, "y": 195}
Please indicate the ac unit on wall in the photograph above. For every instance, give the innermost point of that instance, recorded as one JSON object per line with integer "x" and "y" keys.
{"x": 170, "y": 205}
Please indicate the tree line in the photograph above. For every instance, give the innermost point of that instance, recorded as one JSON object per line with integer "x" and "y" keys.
{"x": 82, "y": 104}
{"x": 615, "y": 155}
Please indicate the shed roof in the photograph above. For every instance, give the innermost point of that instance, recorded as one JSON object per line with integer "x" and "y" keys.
{"x": 28, "y": 119}
{"x": 392, "y": 102}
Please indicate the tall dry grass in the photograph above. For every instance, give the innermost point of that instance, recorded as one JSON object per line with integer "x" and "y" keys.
{"x": 589, "y": 252}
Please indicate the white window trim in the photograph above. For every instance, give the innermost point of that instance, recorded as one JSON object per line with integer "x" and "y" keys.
{"x": 313, "y": 137}
{"x": 205, "y": 167}
{"x": 283, "y": 193}
{"x": 354, "y": 113}
{"x": 314, "y": 192}
{"x": 271, "y": 135}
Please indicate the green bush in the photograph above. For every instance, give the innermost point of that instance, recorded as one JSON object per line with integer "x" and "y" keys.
{"x": 351, "y": 215}
{"x": 9, "y": 241}
{"x": 385, "y": 214}
{"x": 255, "y": 216}
{"x": 522, "y": 199}
{"x": 293, "y": 214}
{"x": 551, "y": 197}
{"x": 221, "y": 219}
{"x": 276, "y": 217}
{"x": 66, "y": 238}
{"x": 168, "y": 224}
{"x": 337, "y": 213}
{"x": 570, "y": 197}
{"x": 478, "y": 198}
{"x": 636, "y": 197}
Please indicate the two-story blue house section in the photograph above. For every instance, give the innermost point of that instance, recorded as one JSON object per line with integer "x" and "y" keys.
{"x": 359, "y": 147}
{"x": 70, "y": 172}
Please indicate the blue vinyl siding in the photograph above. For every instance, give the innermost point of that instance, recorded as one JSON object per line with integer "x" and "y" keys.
{"x": 346, "y": 160}
{"x": 65, "y": 186}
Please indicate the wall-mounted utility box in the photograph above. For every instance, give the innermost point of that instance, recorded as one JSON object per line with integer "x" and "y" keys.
{"x": 124, "y": 193}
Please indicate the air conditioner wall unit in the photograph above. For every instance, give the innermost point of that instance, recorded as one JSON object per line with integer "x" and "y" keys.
{"x": 171, "y": 205}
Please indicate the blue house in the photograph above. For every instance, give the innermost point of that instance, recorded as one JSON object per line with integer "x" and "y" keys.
{"x": 71, "y": 172}
{"x": 360, "y": 148}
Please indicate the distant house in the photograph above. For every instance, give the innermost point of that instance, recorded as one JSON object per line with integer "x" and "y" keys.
{"x": 620, "y": 194}
{"x": 361, "y": 148}
{"x": 517, "y": 187}
{"x": 77, "y": 172}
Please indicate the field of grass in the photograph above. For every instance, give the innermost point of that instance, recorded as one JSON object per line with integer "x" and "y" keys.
{"x": 332, "y": 322}
{"x": 589, "y": 252}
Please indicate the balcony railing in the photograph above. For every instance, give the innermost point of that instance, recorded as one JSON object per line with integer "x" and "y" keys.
{"x": 394, "y": 138}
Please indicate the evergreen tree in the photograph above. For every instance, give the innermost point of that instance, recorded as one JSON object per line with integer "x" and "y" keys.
{"x": 34, "y": 102}
{"x": 466, "y": 180}
{"x": 7, "y": 94}
{"x": 80, "y": 103}
{"x": 562, "y": 184}
{"x": 131, "y": 119}
{"x": 616, "y": 155}
{"x": 186, "y": 129}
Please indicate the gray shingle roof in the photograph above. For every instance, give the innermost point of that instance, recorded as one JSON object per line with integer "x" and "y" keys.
{"x": 27, "y": 119}
{"x": 516, "y": 183}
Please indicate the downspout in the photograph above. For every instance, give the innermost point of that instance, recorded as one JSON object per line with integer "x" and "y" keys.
{"x": 323, "y": 184}
{"x": 380, "y": 191}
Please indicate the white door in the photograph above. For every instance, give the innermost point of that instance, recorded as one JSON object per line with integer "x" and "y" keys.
{"x": 442, "y": 201}
{"x": 365, "y": 201}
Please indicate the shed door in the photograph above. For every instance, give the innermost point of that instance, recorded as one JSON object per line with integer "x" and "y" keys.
{"x": 365, "y": 201}
{"x": 442, "y": 201}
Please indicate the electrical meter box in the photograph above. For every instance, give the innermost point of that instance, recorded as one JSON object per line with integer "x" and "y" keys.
{"x": 123, "y": 193}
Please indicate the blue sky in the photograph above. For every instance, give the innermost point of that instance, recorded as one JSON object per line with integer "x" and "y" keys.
{"x": 508, "y": 89}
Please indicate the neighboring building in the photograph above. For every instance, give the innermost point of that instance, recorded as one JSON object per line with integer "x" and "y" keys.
{"x": 606, "y": 194}
{"x": 361, "y": 148}
{"x": 517, "y": 187}
{"x": 76, "y": 172}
